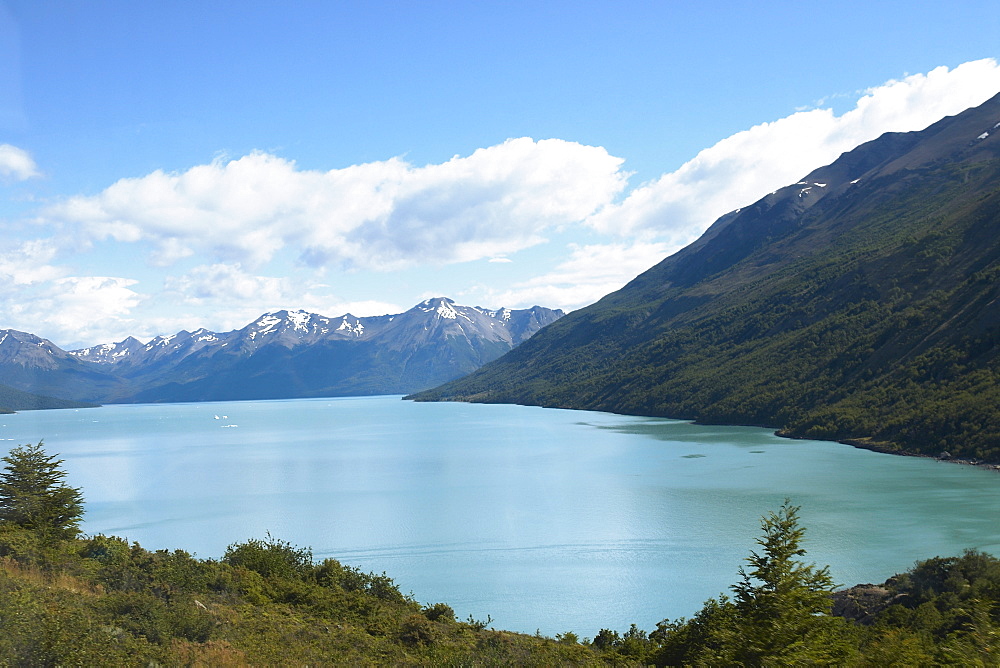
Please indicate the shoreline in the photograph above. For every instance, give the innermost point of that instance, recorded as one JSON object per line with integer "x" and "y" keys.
{"x": 865, "y": 444}
{"x": 861, "y": 443}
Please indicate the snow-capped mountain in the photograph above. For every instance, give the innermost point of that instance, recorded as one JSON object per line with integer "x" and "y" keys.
{"x": 132, "y": 352}
{"x": 431, "y": 318}
{"x": 282, "y": 354}
{"x": 111, "y": 353}
{"x": 28, "y": 350}
{"x": 32, "y": 364}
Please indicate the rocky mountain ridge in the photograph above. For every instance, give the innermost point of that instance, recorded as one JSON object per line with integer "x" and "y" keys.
{"x": 282, "y": 354}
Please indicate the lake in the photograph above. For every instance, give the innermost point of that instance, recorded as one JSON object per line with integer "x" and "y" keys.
{"x": 542, "y": 519}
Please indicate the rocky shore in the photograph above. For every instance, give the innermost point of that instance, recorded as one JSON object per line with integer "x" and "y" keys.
{"x": 889, "y": 449}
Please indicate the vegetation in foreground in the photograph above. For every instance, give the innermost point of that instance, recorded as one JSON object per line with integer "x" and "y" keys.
{"x": 72, "y": 600}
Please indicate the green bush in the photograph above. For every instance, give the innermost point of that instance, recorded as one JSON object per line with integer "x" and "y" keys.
{"x": 271, "y": 558}
{"x": 416, "y": 630}
{"x": 106, "y": 550}
{"x": 439, "y": 612}
{"x": 331, "y": 573}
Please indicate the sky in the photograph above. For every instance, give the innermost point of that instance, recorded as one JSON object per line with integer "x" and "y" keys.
{"x": 169, "y": 166}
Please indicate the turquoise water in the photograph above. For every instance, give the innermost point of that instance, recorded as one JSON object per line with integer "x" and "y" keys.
{"x": 543, "y": 519}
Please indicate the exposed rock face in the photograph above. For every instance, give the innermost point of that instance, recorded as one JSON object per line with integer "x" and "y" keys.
{"x": 861, "y": 603}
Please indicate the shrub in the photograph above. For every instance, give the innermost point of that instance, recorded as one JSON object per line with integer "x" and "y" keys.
{"x": 271, "y": 557}
{"x": 439, "y": 612}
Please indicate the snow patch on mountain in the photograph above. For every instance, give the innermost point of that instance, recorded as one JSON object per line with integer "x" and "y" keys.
{"x": 300, "y": 320}
{"x": 267, "y": 323}
{"x": 357, "y": 328}
{"x": 104, "y": 349}
{"x": 445, "y": 310}
{"x": 292, "y": 329}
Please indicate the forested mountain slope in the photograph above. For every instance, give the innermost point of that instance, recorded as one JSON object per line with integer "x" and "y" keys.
{"x": 12, "y": 400}
{"x": 860, "y": 303}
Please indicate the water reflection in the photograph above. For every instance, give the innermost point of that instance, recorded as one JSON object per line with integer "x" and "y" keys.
{"x": 543, "y": 519}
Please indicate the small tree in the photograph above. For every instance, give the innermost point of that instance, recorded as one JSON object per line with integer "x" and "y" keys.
{"x": 33, "y": 494}
{"x": 783, "y": 604}
{"x": 780, "y": 615}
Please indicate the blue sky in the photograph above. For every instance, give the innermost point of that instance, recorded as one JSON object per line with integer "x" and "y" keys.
{"x": 168, "y": 166}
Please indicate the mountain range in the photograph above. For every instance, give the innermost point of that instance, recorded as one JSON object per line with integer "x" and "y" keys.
{"x": 858, "y": 304}
{"x": 285, "y": 354}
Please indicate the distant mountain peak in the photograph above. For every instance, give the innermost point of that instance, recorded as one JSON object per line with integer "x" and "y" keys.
{"x": 443, "y": 307}
{"x": 435, "y": 304}
{"x": 349, "y": 324}
{"x": 280, "y": 354}
{"x": 110, "y": 353}
{"x": 29, "y": 350}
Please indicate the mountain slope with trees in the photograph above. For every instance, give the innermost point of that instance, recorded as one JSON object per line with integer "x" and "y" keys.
{"x": 12, "y": 400}
{"x": 858, "y": 304}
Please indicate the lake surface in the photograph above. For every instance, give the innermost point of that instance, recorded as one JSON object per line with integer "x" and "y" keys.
{"x": 543, "y": 519}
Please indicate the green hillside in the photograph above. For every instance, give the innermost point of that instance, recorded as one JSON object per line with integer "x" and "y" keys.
{"x": 12, "y": 400}
{"x": 860, "y": 303}
{"x": 98, "y": 601}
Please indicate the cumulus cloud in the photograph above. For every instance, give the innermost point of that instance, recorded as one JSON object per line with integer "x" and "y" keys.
{"x": 40, "y": 296}
{"x": 75, "y": 308}
{"x": 228, "y": 282}
{"x": 231, "y": 217}
{"x": 591, "y": 272}
{"x": 16, "y": 163}
{"x": 225, "y": 296}
{"x": 740, "y": 169}
{"x": 30, "y": 263}
{"x": 379, "y": 215}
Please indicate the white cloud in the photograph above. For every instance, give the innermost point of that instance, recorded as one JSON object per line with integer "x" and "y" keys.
{"x": 30, "y": 264}
{"x": 235, "y": 216}
{"x": 740, "y": 169}
{"x": 591, "y": 272}
{"x": 73, "y": 309}
{"x": 223, "y": 296}
{"x": 40, "y": 297}
{"x": 379, "y": 215}
{"x": 16, "y": 163}
{"x": 229, "y": 283}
